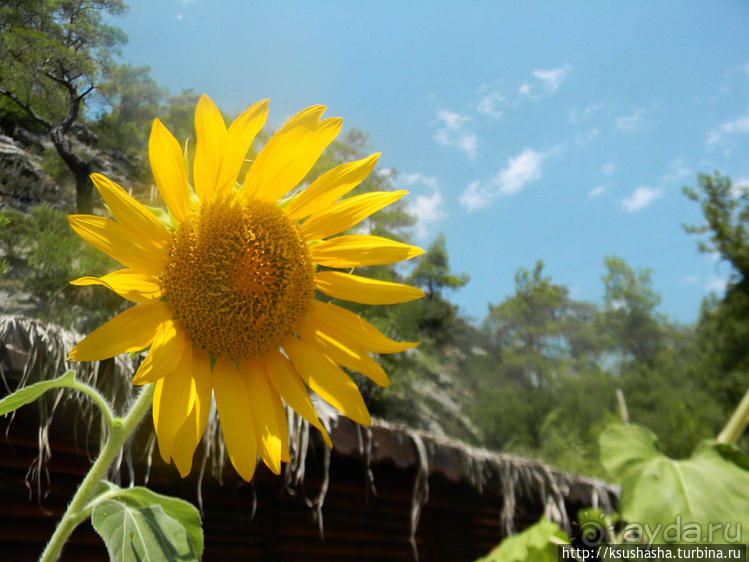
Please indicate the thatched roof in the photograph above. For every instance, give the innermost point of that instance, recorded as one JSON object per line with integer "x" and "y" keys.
{"x": 31, "y": 350}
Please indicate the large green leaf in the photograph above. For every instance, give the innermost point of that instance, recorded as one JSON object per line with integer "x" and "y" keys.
{"x": 30, "y": 393}
{"x": 181, "y": 511}
{"x": 538, "y": 543}
{"x": 141, "y": 534}
{"x": 704, "y": 498}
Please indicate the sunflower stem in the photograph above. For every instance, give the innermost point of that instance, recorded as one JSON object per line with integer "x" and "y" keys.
{"x": 98, "y": 399}
{"x": 737, "y": 423}
{"x": 120, "y": 429}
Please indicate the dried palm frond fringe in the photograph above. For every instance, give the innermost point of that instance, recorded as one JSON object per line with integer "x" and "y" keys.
{"x": 32, "y": 350}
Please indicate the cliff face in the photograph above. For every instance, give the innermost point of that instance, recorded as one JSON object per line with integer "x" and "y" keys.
{"x": 26, "y": 159}
{"x": 23, "y": 182}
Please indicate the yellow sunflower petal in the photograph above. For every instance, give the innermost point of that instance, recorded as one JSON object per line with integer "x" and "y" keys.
{"x": 330, "y": 187}
{"x": 201, "y": 368}
{"x": 192, "y": 430}
{"x": 290, "y": 153}
{"x": 156, "y": 405}
{"x": 183, "y": 450}
{"x": 233, "y": 406}
{"x": 129, "y": 213}
{"x": 131, "y": 330}
{"x": 210, "y": 133}
{"x": 177, "y": 399}
{"x": 286, "y": 382}
{"x": 238, "y": 140}
{"x": 118, "y": 242}
{"x": 324, "y": 377}
{"x": 363, "y": 290}
{"x": 271, "y": 428}
{"x": 344, "y": 325}
{"x": 165, "y": 355}
{"x": 344, "y": 353}
{"x": 347, "y": 213}
{"x": 168, "y": 170}
{"x": 357, "y": 250}
{"x": 128, "y": 283}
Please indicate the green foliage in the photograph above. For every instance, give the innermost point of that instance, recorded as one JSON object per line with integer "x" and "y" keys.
{"x": 537, "y": 543}
{"x": 178, "y": 117}
{"x": 723, "y": 329}
{"x": 703, "y": 499}
{"x": 707, "y": 489}
{"x": 52, "y": 57}
{"x": 432, "y": 271}
{"x": 542, "y": 389}
{"x": 130, "y": 100}
{"x": 163, "y": 518}
{"x": 44, "y": 255}
{"x": 52, "y": 52}
{"x": 630, "y": 302}
{"x": 135, "y": 534}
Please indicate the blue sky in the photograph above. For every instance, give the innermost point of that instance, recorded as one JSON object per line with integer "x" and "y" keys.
{"x": 560, "y": 131}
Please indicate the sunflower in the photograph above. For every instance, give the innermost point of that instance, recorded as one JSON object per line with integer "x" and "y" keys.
{"x": 224, "y": 288}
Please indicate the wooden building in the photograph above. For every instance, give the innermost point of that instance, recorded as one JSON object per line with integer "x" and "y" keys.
{"x": 384, "y": 493}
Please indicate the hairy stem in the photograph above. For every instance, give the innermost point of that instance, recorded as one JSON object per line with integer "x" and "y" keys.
{"x": 119, "y": 431}
{"x": 738, "y": 422}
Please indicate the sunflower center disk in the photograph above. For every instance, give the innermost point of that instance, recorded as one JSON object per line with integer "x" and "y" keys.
{"x": 239, "y": 277}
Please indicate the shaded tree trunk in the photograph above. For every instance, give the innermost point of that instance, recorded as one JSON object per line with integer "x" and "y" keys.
{"x": 81, "y": 170}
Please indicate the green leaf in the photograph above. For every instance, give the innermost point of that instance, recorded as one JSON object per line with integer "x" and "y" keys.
{"x": 181, "y": 511}
{"x": 703, "y": 499}
{"x": 141, "y": 534}
{"x": 538, "y": 543}
{"x": 30, "y": 393}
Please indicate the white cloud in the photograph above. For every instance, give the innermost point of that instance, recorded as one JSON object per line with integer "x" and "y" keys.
{"x": 525, "y": 168}
{"x": 179, "y": 17}
{"x": 387, "y": 173}
{"x": 716, "y": 285}
{"x": 428, "y": 210}
{"x": 454, "y": 132}
{"x": 553, "y": 78}
{"x": 737, "y": 126}
{"x": 576, "y": 116}
{"x": 489, "y": 105}
{"x": 585, "y": 138}
{"x": 640, "y": 198}
{"x": 474, "y": 197}
{"x": 676, "y": 171}
{"x": 596, "y": 191}
{"x": 631, "y": 122}
{"x": 524, "y": 89}
{"x": 520, "y": 171}
{"x": 740, "y": 187}
{"x": 740, "y": 125}
{"x": 608, "y": 169}
{"x": 415, "y": 179}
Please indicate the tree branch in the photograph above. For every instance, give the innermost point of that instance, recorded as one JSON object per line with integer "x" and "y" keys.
{"x": 26, "y": 107}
